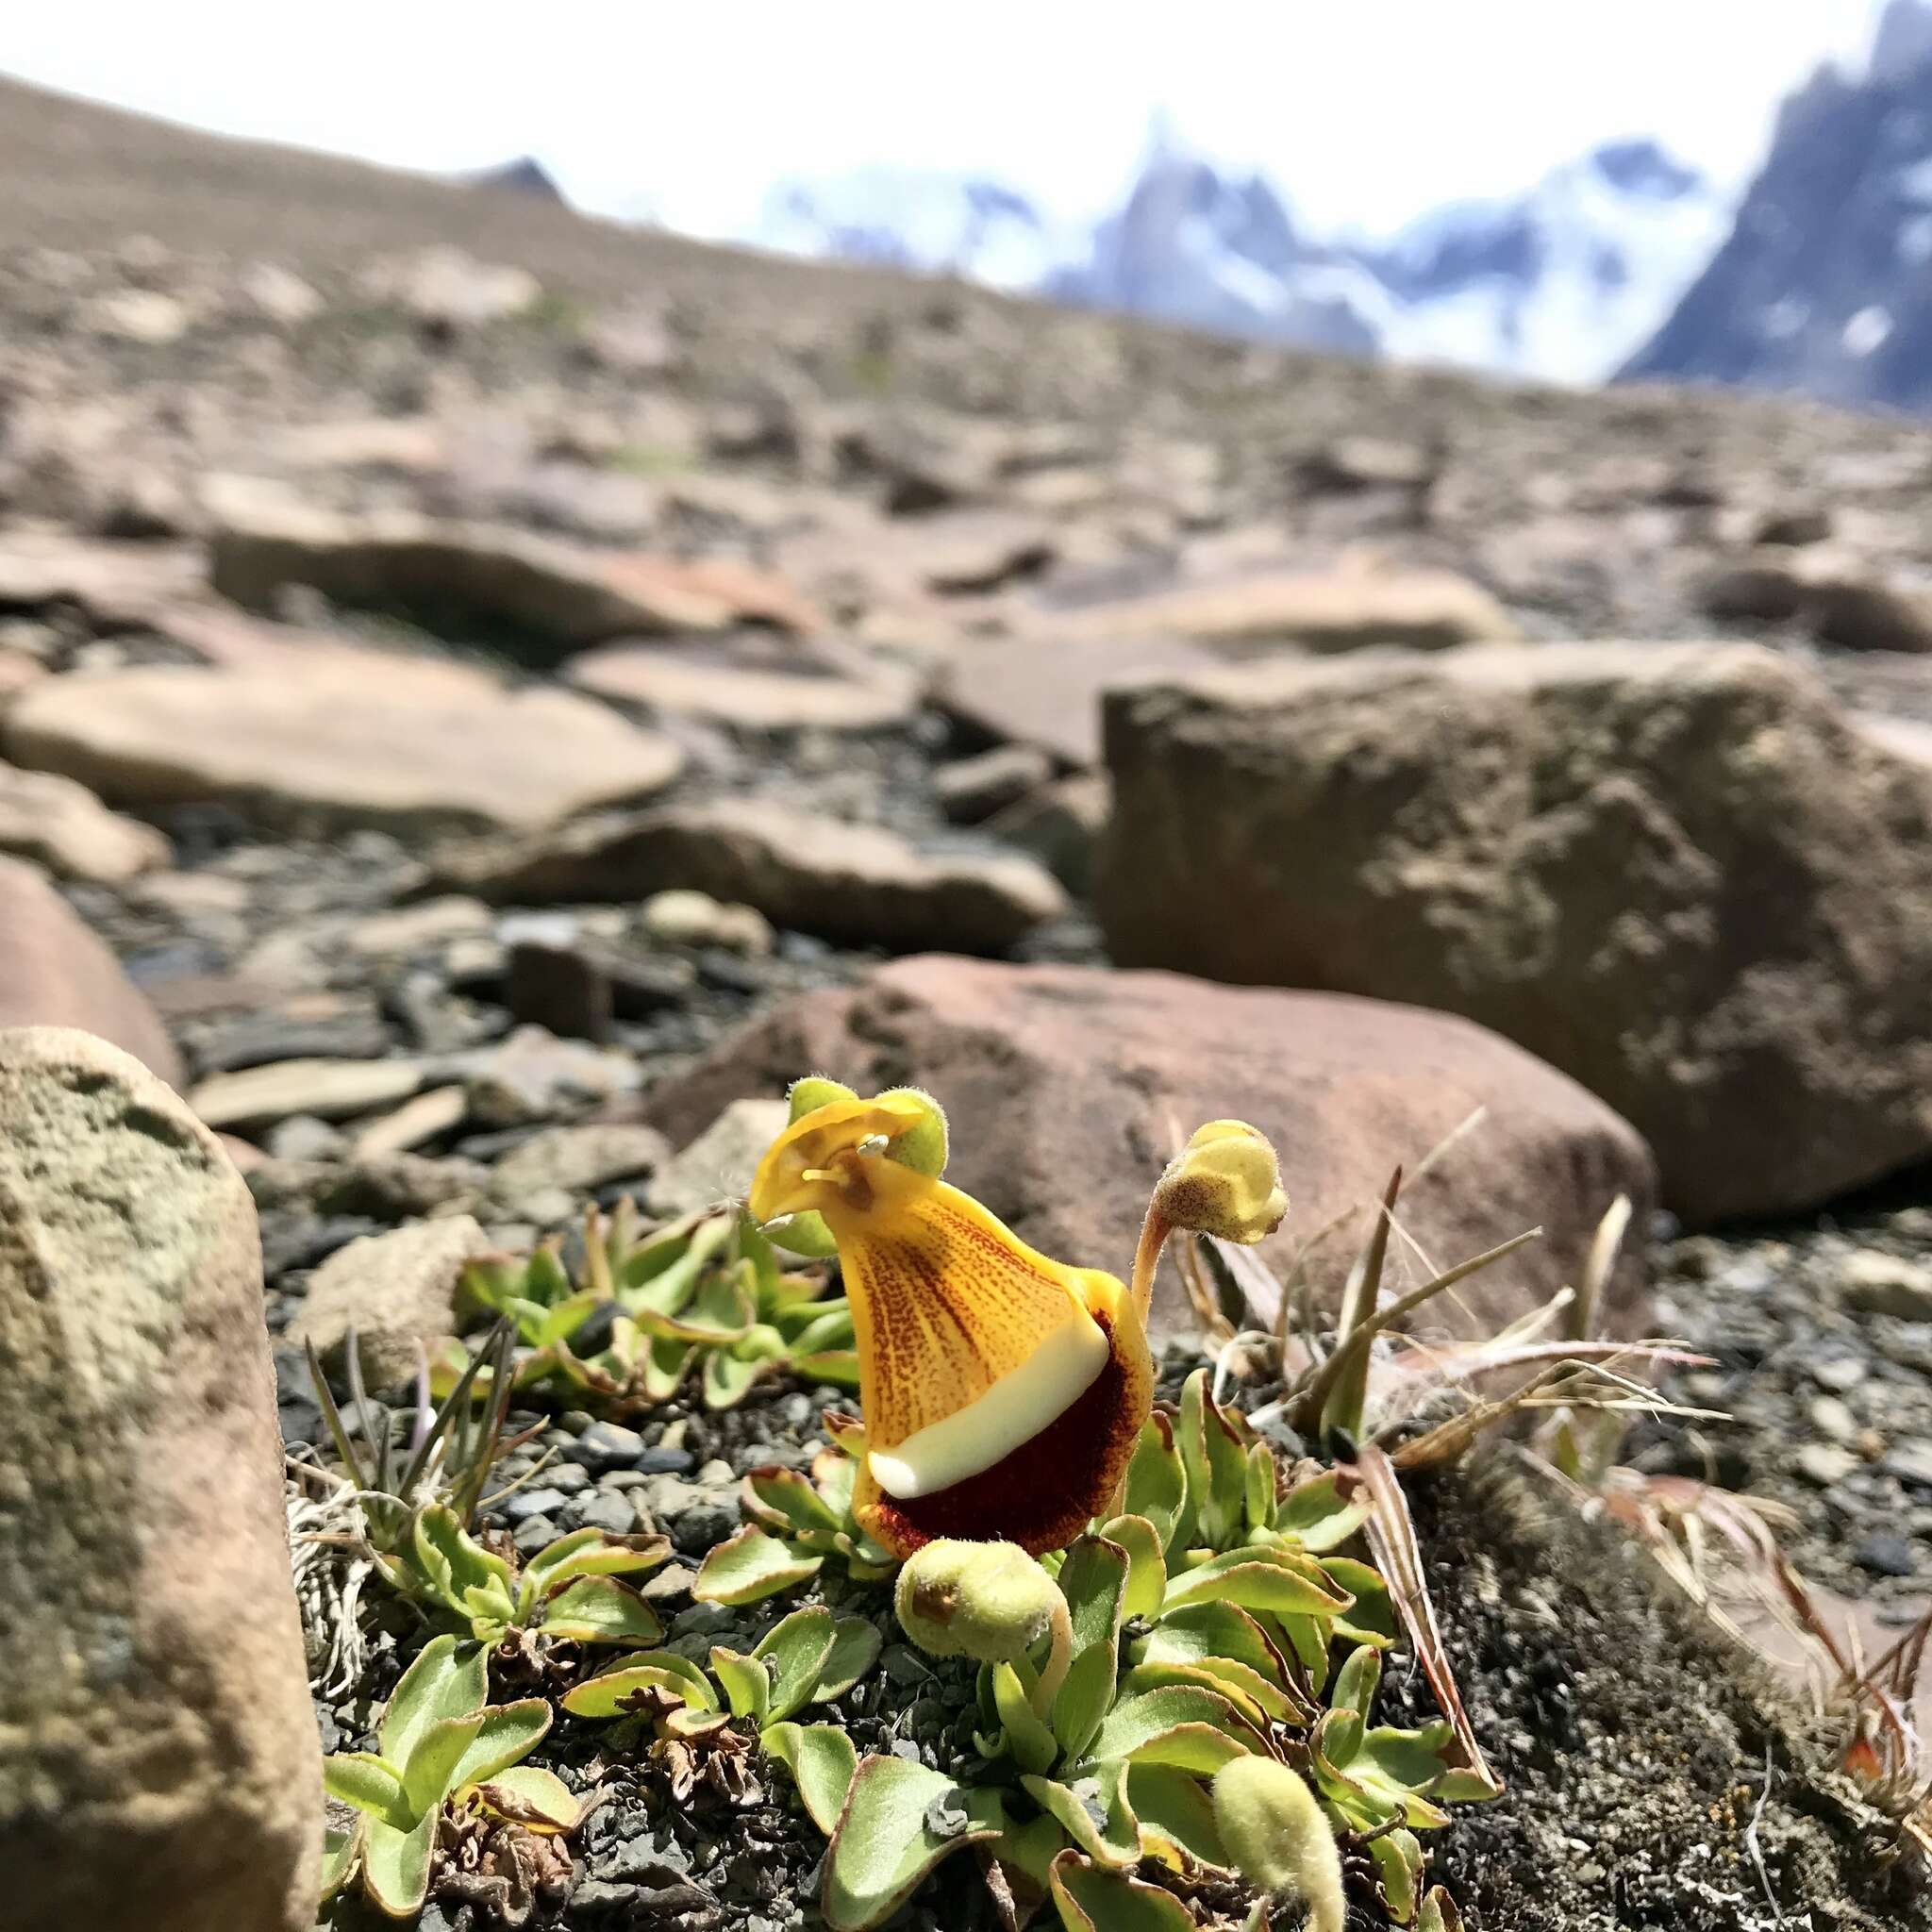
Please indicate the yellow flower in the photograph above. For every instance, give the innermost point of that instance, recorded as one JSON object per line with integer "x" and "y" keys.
{"x": 1001, "y": 1391}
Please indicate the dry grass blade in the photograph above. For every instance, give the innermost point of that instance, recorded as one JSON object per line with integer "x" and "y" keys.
{"x": 1390, "y": 1531}
{"x": 1598, "y": 1266}
{"x": 1328, "y": 1390}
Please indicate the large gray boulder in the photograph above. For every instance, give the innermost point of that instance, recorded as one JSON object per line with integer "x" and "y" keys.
{"x": 1679, "y": 873}
{"x": 158, "y": 1761}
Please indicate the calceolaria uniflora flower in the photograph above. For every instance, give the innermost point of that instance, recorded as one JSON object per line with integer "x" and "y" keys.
{"x": 1001, "y": 1391}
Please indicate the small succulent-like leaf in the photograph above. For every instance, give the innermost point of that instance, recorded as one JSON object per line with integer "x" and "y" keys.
{"x": 838, "y": 1366}
{"x": 820, "y": 1760}
{"x": 1135, "y": 1722}
{"x": 430, "y": 1776}
{"x": 1229, "y": 1648}
{"x": 616, "y": 1693}
{"x": 1398, "y": 1857}
{"x": 1033, "y": 1745}
{"x": 599, "y": 1609}
{"x": 1094, "y": 1580}
{"x": 804, "y": 1234}
{"x": 528, "y": 1796}
{"x": 847, "y": 1432}
{"x": 364, "y": 1780}
{"x": 1370, "y": 1618}
{"x": 395, "y": 1864}
{"x": 747, "y": 1683}
{"x": 856, "y": 1645}
{"x": 1091, "y": 1898}
{"x": 1308, "y": 1638}
{"x": 1157, "y": 1486}
{"x": 560, "y": 1322}
{"x": 829, "y": 1330}
{"x": 752, "y": 1565}
{"x": 508, "y": 1735}
{"x": 341, "y": 1853}
{"x": 899, "y": 1821}
{"x": 1314, "y": 1516}
{"x": 1261, "y": 1578}
{"x": 1177, "y": 1817}
{"x": 1225, "y": 1682}
{"x": 1146, "y": 1564}
{"x": 797, "y": 1649}
{"x": 783, "y": 1501}
{"x": 448, "y": 1678}
{"x": 729, "y": 1373}
{"x": 594, "y": 1552}
{"x": 454, "y": 1564}
{"x": 1356, "y": 1682}
{"x": 1259, "y": 1497}
{"x": 1084, "y": 1699}
{"x": 1094, "y": 1814}
{"x": 1439, "y": 1913}
{"x": 1216, "y": 1460}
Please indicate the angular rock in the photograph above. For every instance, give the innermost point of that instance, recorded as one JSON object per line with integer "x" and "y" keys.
{"x": 578, "y": 1160}
{"x": 1678, "y": 871}
{"x": 1876, "y": 1283}
{"x": 960, "y": 552}
{"x": 540, "y": 598}
{"x": 1321, "y": 610}
{"x": 972, "y": 789}
{"x": 424, "y": 1117}
{"x": 64, "y": 827}
{"x": 156, "y": 1740}
{"x": 1061, "y": 825}
{"x": 396, "y": 1290}
{"x": 684, "y": 917}
{"x": 746, "y": 684}
{"x": 859, "y": 884}
{"x": 112, "y": 585}
{"x": 55, "y": 973}
{"x": 1841, "y": 598}
{"x": 1048, "y": 692}
{"x": 721, "y": 1157}
{"x": 532, "y": 1077}
{"x": 339, "y": 738}
{"x": 1067, "y": 1089}
{"x": 329, "y": 1089}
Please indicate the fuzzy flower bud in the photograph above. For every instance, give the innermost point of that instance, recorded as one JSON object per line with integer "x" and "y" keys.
{"x": 1226, "y": 1182}
{"x": 989, "y": 1600}
{"x": 1274, "y": 1826}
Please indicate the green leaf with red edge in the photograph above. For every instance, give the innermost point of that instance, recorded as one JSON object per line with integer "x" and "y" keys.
{"x": 528, "y": 1796}
{"x": 784, "y": 1503}
{"x": 899, "y": 1821}
{"x": 1090, "y": 1898}
{"x": 1157, "y": 1484}
{"x": 1261, "y": 1578}
{"x": 822, "y": 1762}
{"x": 749, "y": 1566}
{"x": 1094, "y": 1812}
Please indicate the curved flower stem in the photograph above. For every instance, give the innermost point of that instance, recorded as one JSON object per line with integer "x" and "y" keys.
{"x": 1155, "y": 1230}
{"x": 1059, "y": 1660}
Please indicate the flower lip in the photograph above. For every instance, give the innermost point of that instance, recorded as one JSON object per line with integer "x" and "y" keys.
{"x": 1015, "y": 1410}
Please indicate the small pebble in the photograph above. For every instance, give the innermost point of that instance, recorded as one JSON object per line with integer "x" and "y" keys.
{"x": 1885, "y": 1555}
{"x": 533, "y": 1534}
{"x": 1831, "y": 1418}
{"x": 609, "y": 1512}
{"x": 526, "y": 1504}
{"x": 1826, "y": 1464}
{"x": 607, "y": 1446}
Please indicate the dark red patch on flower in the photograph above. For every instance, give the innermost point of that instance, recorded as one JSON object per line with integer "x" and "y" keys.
{"x": 1041, "y": 1494}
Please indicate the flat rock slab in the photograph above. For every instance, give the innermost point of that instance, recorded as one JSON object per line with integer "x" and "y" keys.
{"x": 1067, "y": 1089}
{"x": 156, "y": 1740}
{"x": 329, "y": 1089}
{"x": 338, "y": 738}
{"x": 395, "y": 1291}
{"x": 1321, "y": 610}
{"x": 111, "y": 584}
{"x": 54, "y": 971}
{"x": 64, "y": 827}
{"x": 1047, "y": 693}
{"x": 858, "y": 884}
{"x": 544, "y": 598}
{"x": 1681, "y": 872}
{"x": 747, "y": 684}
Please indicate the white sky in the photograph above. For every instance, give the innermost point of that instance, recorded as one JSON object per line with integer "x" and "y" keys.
{"x": 1363, "y": 111}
